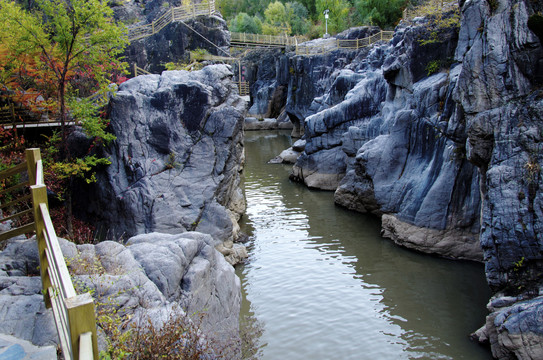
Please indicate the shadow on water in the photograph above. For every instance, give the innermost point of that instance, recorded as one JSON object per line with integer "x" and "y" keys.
{"x": 323, "y": 284}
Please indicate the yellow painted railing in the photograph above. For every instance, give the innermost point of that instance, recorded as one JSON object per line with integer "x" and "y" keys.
{"x": 14, "y": 116}
{"x": 243, "y": 87}
{"x": 171, "y": 15}
{"x": 353, "y": 44}
{"x": 18, "y": 200}
{"x": 139, "y": 71}
{"x": 245, "y": 39}
{"x": 73, "y": 314}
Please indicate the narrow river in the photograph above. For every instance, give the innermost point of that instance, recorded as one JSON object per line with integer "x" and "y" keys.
{"x": 323, "y": 284}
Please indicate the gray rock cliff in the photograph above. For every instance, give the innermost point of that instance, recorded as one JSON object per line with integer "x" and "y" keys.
{"x": 190, "y": 277}
{"x": 442, "y": 140}
{"x": 174, "y": 42}
{"x": 177, "y": 159}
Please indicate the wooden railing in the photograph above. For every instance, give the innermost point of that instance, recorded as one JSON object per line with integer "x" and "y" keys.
{"x": 171, "y": 15}
{"x": 245, "y": 39}
{"x": 7, "y": 114}
{"x": 139, "y": 71}
{"x": 352, "y": 44}
{"x": 17, "y": 202}
{"x": 243, "y": 87}
{"x": 12, "y": 116}
{"x": 73, "y": 314}
{"x": 199, "y": 57}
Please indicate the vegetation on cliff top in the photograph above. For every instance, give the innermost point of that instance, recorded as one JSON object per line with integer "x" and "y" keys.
{"x": 305, "y": 17}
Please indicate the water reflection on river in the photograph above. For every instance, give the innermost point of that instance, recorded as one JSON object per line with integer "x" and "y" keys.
{"x": 325, "y": 285}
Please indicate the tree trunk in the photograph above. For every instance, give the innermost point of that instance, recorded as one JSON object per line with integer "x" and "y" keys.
{"x": 69, "y": 210}
{"x": 62, "y": 117}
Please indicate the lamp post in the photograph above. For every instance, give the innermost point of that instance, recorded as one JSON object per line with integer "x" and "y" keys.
{"x": 325, "y": 12}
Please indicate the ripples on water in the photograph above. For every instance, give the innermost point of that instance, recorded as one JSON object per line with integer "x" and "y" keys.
{"x": 325, "y": 285}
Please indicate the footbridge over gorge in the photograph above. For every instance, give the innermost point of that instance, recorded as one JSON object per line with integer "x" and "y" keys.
{"x": 11, "y": 117}
{"x": 245, "y": 40}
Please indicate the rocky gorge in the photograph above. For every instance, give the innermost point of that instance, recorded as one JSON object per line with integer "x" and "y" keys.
{"x": 437, "y": 132}
{"x": 172, "y": 192}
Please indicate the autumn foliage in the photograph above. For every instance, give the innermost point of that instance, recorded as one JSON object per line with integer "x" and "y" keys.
{"x": 58, "y": 62}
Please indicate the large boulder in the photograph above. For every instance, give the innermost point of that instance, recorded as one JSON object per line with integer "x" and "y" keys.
{"x": 176, "y": 162}
{"x": 191, "y": 277}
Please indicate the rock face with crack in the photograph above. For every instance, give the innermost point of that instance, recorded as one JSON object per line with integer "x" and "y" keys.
{"x": 177, "y": 159}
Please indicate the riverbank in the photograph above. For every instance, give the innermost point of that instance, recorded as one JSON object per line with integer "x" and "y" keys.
{"x": 322, "y": 283}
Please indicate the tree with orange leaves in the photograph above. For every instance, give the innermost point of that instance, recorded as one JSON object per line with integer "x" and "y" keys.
{"x": 44, "y": 51}
{"x": 59, "y": 59}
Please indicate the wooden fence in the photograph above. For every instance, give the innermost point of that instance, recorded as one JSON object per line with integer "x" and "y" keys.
{"x": 171, "y": 15}
{"x": 74, "y": 314}
{"x": 352, "y": 44}
{"x": 139, "y": 71}
{"x": 243, "y": 87}
{"x": 11, "y": 115}
{"x": 16, "y": 201}
{"x": 256, "y": 40}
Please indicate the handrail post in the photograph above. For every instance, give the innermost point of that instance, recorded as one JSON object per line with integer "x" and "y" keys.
{"x": 173, "y": 15}
{"x": 32, "y": 157}
{"x": 81, "y": 319}
{"x": 12, "y": 111}
{"x": 39, "y": 196}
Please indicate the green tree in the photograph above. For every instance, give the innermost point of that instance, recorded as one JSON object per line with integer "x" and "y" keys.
{"x": 276, "y": 21}
{"x": 68, "y": 45}
{"x": 68, "y": 38}
{"x": 338, "y": 15}
{"x": 297, "y": 18}
{"x": 310, "y": 6}
{"x": 227, "y": 8}
{"x": 246, "y": 24}
{"x": 383, "y": 13}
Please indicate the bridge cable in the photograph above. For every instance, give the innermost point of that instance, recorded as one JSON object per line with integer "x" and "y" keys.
{"x": 206, "y": 39}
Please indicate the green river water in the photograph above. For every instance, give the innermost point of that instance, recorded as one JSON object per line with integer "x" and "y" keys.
{"x": 323, "y": 284}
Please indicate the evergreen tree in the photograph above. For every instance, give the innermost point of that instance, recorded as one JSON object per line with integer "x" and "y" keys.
{"x": 383, "y": 13}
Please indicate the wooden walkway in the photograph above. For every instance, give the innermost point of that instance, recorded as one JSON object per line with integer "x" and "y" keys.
{"x": 179, "y": 13}
{"x": 259, "y": 40}
{"x": 331, "y": 44}
{"x": 12, "y": 116}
